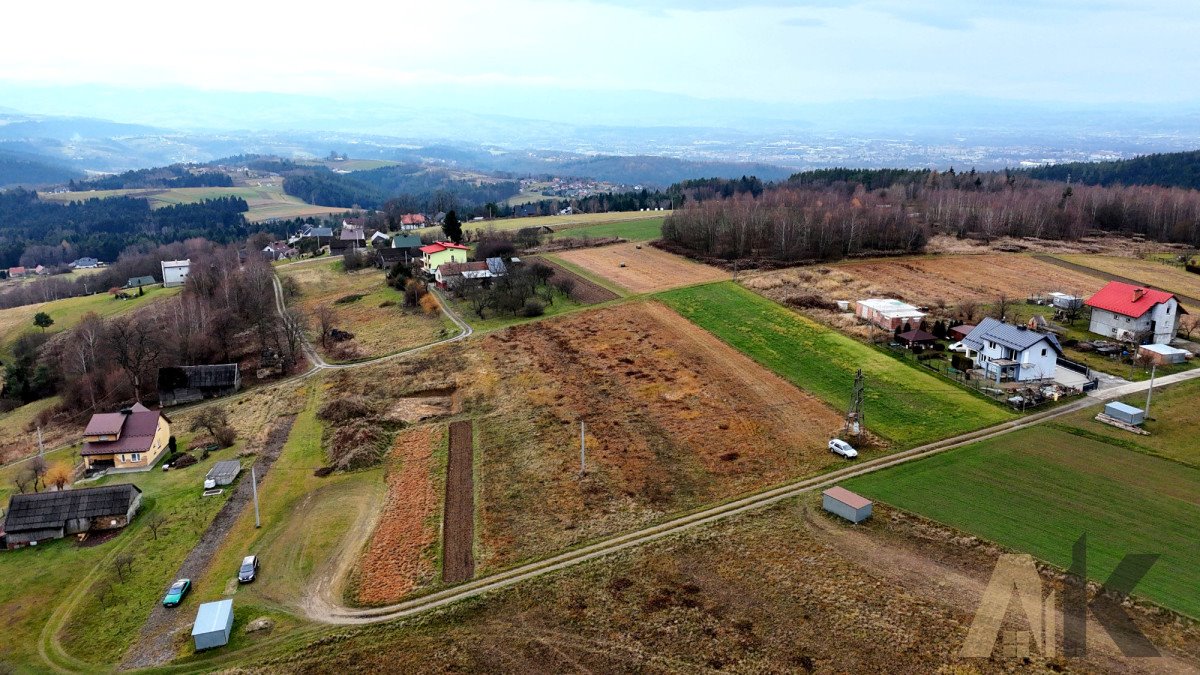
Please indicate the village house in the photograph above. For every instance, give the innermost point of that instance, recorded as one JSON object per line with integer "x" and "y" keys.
{"x": 188, "y": 384}
{"x": 889, "y": 313}
{"x": 1005, "y": 352}
{"x": 412, "y": 221}
{"x": 322, "y": 234}
{"x": 16, "y": 272}
{"x": 279, "y": 250}
{"x": 41, "y": 270}
{"x": 85, "y": 263}
{"x": 174, "y": 272}
{"x": 1134, "y": 313}
{"x": 42, "y": 516}
{"x": 129, "y": 440}
{"x": 439, "y": 253}
{"x": 379, "y": 239}
{"x": 350, "y": 237}
{"x": 138, "y": 282}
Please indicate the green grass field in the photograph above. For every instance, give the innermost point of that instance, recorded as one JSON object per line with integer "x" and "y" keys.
{"x": 903, "y": 404}
{"x": 633, "y": 230}
{"x": 559, "y": 222}
{"x": 1173, "y": 424}
{"x": 266, "y": 201}
{"x": 562, "y": 305}
{"x": 1039, "y": 489}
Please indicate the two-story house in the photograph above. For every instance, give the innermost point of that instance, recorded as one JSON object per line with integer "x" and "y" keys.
{"x": 1012, "y": 353}
{"x": 1134, "y": 313}
{"x": 132, "y": 439}
{"x": 439, "y": 253}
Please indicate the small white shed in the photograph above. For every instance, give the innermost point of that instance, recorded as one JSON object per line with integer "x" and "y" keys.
{"x": 840, "y": 501}
{"x": 214, "y": 623}
{"x": 1126, "y": 413}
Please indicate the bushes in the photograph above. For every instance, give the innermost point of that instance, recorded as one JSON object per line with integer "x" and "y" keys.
{"x": 344, "y": 409}
{"x": 347, "y": 299}
{"x": 429, "y": 304}
{"x": 810, "y": 302}
{"x": 533, "y": 307}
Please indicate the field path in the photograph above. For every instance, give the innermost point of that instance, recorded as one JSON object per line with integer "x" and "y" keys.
{"x": 1108, "y": 276}
{"x": 155, "y": 643}
{"x": 458, "y": 524}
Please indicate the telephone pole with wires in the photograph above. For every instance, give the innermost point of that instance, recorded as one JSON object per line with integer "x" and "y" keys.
{"x": 854, "y": 416}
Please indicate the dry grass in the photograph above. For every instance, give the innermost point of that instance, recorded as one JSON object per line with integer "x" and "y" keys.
{"x": 1167, "y": 277}
{"x": 377, "y": 330}
{"x": 645, "y": 270}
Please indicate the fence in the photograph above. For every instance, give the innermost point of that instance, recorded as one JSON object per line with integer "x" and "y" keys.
{"x": 940, "y": 364}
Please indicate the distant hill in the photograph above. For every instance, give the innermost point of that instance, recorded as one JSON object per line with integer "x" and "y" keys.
{"x": 1173, "y": 169}
{"x": 29, "y": 170}
{"x": 659, "y": 171}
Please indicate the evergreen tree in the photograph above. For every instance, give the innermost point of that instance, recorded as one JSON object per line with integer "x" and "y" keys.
{"x": 452, "y": 227}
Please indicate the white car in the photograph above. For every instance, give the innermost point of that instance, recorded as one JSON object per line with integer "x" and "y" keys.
{"x": 957, "y": 347}
{"x": 839, "y": 447}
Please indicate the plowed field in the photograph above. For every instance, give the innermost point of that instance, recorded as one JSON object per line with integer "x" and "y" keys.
{"x": 675, "y": 419}
{"x": 645, "y": 270}
{"x": 459, "y": 525}
{"x": 586, "y": 291}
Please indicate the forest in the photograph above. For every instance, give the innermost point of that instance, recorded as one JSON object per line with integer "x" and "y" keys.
{"x": 18, "y": 168}
{"x": 1173, "y": 169}
{"x": 35, "y": 232}
{"x": 828, "y": 218}
{"x": 419, "y": 189}
{"x": 173, "y": 176}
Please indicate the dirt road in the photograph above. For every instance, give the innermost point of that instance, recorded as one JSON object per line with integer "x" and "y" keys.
{"x": 639, "y": 268}
{"x": 458, "y": 524}
{"x": 155, "y": 644}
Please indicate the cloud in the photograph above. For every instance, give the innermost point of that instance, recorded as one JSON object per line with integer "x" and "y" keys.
{"x": 803, "y": 22}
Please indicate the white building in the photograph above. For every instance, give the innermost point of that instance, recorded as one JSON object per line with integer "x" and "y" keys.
{"x": 174, "y": 272}
{"x": 1134, "y": 313}
{"x": 1012, "y": 353}
{"x": 889, "y": 313}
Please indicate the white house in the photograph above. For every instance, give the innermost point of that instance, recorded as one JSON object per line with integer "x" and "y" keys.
{"x": 174, "y": 272}
{"x": 1134, "y": 313}
{"x": 378, "y": 238}
{"x": 1013, "y": 353}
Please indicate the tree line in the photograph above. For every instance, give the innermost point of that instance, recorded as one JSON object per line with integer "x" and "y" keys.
{"x": 173, "y": 176}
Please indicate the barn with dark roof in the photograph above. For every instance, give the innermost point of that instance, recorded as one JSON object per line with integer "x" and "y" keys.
{"x": 53, "y": 515}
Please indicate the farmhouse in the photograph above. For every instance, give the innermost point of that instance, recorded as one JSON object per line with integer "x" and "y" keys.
{"x": 1134, "y": 313}
{"x": 174, "y": 272}
{"x": 449, "y": 274}
{"x": 187, "y": 384}
{"x": 379, "y": 239}
{"x": 439, "y": 253}
{"x": 129, "y": 440}
{"x": 412, "y": 221}
{"x": 138, "y": 282}
{"x": 349, "y": 237}
{"x": 889, "y": 313}
{"x": 1005, "y": 352}
{"x": 85, "y": 263}
{"x": 14, "y": 272}
{"x": 53, "y": 515}
{"x": 279, "y": 250}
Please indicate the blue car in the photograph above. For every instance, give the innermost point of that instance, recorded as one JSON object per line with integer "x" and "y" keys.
{"x": 176, "y": 592}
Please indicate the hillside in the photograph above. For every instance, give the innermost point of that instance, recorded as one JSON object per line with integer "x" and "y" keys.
{"x": 29, "y": 170}
{"x": 1172, "y": 169}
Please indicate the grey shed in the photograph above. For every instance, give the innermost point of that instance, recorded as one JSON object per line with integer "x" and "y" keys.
{"x": 224, "y": 472}
{"x": 840, "y": 501}
{"x": 1126, "y": 413}
{"x": 214, "y": 623}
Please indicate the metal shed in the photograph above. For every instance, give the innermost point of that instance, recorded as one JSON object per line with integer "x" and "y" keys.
{"x": 214, "y": 623}
{"x": 224, "y": 472}
{"x": 840, "y": 501}
{"x": 1125, "y": 413}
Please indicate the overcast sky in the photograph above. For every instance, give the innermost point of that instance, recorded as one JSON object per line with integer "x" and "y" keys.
{"x": 1097, "y": 51}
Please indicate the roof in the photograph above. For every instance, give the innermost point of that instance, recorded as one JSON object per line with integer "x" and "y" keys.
{"x": 225, "y": 470}
{"x": 1123, "y": 407}
{"x": 319, "y": 232}
{"x": 451, "y": 269}
{"x": 137, "y": 431}
{"x": 496, "y": 266}
{"x": 847, "y": 497}
{"x": 379, "y": 234}
{"x": 51, "y": 510}
{"x": 86, "y": 260}
{"x": 964, "y": 328}
{"x": 918, "y": 336}
{"x": 140, "y": 281}
{"x": 1127, "y": 299}
{"x": 213, "y": 617}
{"x": 176, "y": 263}
{"x": 105, "y": 424}
{"x": 406, "y": 241}
{"x": 1018, "y": 338}
{"x": 412, "y": 219}
{"x": 442, "y": 246}
{"x": 1165, "y": 350}
{"x": 217, "y": 375}
{"x": 891, "y": 307}
{"x": 351, "y": 234}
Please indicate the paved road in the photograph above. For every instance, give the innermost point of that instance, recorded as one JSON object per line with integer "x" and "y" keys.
{"x": 322, "y": 609}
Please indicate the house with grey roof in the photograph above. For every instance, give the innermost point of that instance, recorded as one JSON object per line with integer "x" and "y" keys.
{"x": 1005, "y": 352}
{"x": 53, "y": 515}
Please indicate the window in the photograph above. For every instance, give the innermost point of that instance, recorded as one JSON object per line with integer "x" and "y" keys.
{"x": 1043, "y": 351}
{"x": 135, "y": 457}
{"x": 1168, "y": 309}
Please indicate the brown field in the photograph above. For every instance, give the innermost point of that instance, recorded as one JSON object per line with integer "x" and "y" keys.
{"x": 1167, "y": 277}
{"x": 586, "y": 291}
{"x": 789, "y": 590}
{"x": 458, "y": 525}
{"x": 646, "y": 270}
{"x": 400, "y": 554}
{"x": 377, "y": 330}
{"x": 675, "y": 419}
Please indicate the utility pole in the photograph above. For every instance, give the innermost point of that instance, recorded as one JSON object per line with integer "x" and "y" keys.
{"x": 1153, "y": 367}
{"x": 254, "y": 487}
{"x": 582, "y": 448}
{"x": 41, "y": 448}
{"x": 854, "y": 416}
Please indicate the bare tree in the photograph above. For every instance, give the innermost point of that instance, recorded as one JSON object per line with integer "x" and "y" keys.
{"x": 1188, "y": 324}
{"x": 215, "y": 421}
{"x": 23, "y": 479}
{"x": 293, "y": 325}
{"x": 135, "y": 345}
{"x": 968, "y": 309}
{"x": 324, "y": 318}
{"x": 156, "y": 521}
{"x": 1001, "y": 307}
{"x": 38, "y": 469}
{"x": 123, "y": 563}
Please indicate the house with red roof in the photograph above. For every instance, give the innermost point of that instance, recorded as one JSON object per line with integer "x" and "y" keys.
{"x": 439, "y": 253}
{"x": 1134, "y": 313}
{"x": 130, "y": 440}
{"x": 412, "y": 221}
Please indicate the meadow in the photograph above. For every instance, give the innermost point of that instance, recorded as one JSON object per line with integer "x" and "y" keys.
{"x": 1039, "y": 489}
{"x": 1158, "y": 274}
{"x": 903, "y": 404}
{"x": 557, "y": 222}
{"x": 647, "y": 229}
{"x": 266, "y": 199}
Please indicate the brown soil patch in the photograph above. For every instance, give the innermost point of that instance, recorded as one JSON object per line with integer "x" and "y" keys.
{"x": 586, "y": 291}
{"x": 675, "y": 419}
{"x": 458, "y": 562}
{"x": 646, "y": 269}
{"x": 398, "y": 557}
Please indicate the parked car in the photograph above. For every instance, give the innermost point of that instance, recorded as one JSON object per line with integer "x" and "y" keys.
{"x": 176, "y": 592}
{"x": 957, "y": 347}
{"x": 248, "y": 570}
{"x": 839, "y": 447}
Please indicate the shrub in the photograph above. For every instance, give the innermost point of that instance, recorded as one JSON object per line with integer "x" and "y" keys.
{"x": 429, "y": 304}
{"x": 810, "y": 301}
{"x": 225, "y": 436}
{"x": 388, "y": 303}
{"x": 183, "y": 461}
{"x": 347, "y": 299}
{"x": 533, "y": 307}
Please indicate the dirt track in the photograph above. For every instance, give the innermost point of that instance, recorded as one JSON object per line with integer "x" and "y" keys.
{"x": 646, "y": 269}
{"x": 458, "y": 525}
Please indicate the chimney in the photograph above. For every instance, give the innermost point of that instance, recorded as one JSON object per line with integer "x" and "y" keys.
{"x": 1138, "y": 293}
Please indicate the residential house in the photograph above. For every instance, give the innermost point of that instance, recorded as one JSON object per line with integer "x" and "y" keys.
{"x": 350, "y": 237}
{"x": 448, "y": 275}
{"x": 41, "y": 516}
{"x": 187, "y": 384}
{"x": 85, "y": 263}
{"x": 379, "y": 239}
{"x": 410, "y": 242}
{"x": 439, "y": 253}
{"x": 1012, "y": 353}
{"x": 132, "y": 439}
{"x": 138, "y": 282}
{"x": 412, "y": 221}
{"x": 889, "y": 313}
{"x": 279, "y": 250}
{"x": 174, "y": 272}
{"x": 17, "y": 272}
{"x": 41, "y": 270}
{"x": 496, "y": 267}
{"x": 323, "y": 235}
{"x": 1134, "y": 313}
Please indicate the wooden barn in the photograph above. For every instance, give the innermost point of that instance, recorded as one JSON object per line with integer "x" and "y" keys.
{"x": 53, "y": 515}
{"x": 187, "y": 384}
